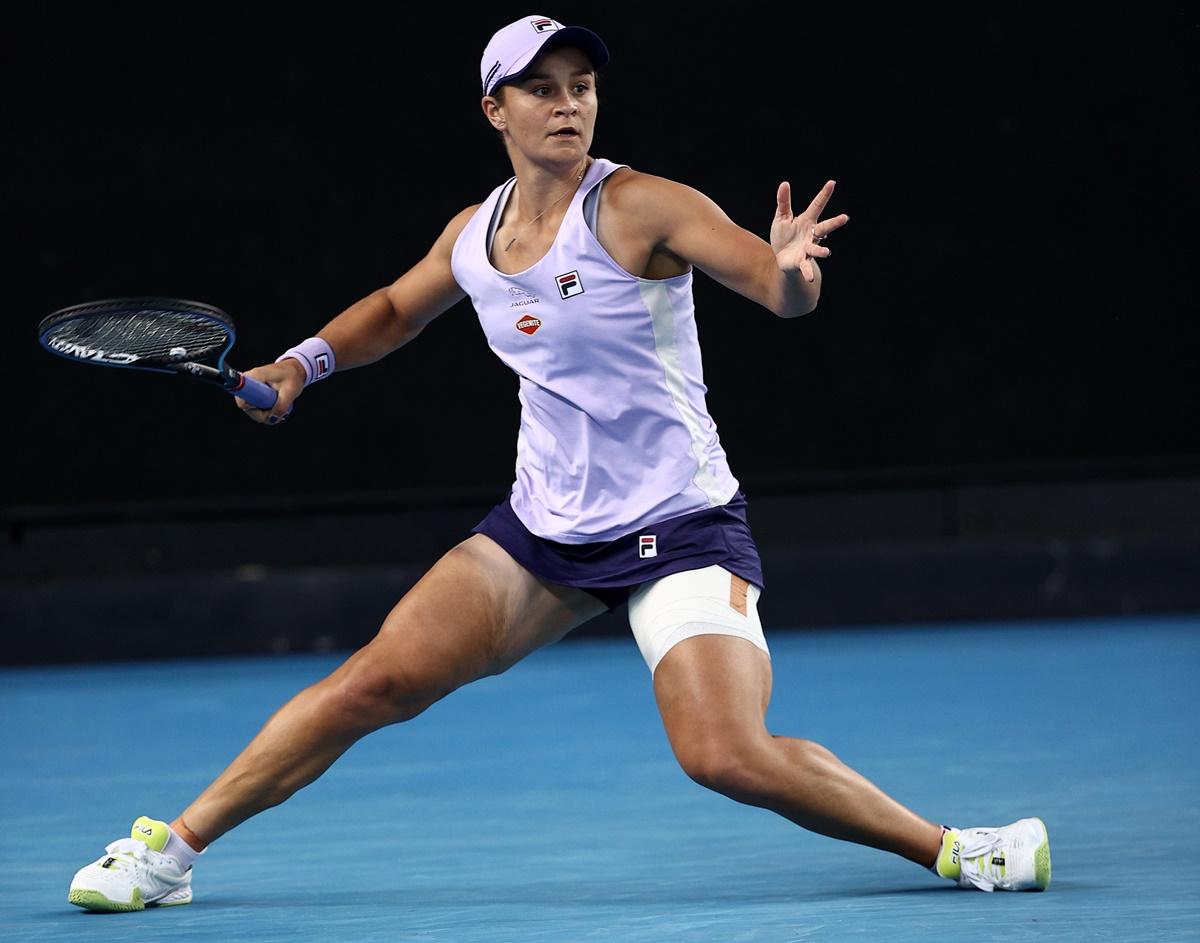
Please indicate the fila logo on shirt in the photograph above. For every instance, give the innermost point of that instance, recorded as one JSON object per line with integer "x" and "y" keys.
{"x": 569, "y": 285}
{"x": 648, "y": 546}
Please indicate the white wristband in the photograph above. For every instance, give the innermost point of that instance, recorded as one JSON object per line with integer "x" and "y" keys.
{"x": 315, "y": 356}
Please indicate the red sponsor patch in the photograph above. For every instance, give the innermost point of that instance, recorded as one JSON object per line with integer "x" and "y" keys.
{"x": 529, "y": 325}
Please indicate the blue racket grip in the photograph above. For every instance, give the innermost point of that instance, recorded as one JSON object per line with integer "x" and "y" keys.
{"x": 255, "y": 393}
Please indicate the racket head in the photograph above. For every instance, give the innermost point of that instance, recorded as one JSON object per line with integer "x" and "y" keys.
{"x": 143, "y": 333}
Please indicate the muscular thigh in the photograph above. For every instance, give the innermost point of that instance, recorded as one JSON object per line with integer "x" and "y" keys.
{"x": 475, "y": 613}
{"x": 713, "y": 686}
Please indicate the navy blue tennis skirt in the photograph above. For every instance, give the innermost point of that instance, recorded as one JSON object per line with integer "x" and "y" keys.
{"x": 611, "y": 570}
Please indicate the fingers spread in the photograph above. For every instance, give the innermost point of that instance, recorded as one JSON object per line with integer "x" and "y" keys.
{"x": 829, "y": 225}
{"x": 819, "y": 201}
{"x": 783, "y": 201}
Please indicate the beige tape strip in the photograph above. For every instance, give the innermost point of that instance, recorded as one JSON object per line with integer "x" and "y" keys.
{"x": 737, "y": 593}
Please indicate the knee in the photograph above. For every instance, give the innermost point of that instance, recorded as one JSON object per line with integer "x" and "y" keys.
{"x": 809, "y": 754}
{"x": 739, "y": 771}
{"x": 370, "y": 696}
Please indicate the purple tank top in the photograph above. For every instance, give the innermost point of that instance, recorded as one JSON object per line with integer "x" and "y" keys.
{"x": 615, "y": 433}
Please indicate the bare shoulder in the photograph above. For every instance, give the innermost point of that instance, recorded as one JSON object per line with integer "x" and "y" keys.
{"x": 629, "y": 188}
{"x": 656, "y": 201}
{"x": 463, "y": 217}
{"x": 445, "y": 242}
{"x": 428, "y": 288}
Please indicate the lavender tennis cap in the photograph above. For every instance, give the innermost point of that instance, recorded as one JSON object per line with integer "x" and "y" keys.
{"x": 514, "y": 47}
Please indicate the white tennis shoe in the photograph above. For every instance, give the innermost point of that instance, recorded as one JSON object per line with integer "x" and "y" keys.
{"x": 133, "y": 874}
{"x": 1009, "y": 858}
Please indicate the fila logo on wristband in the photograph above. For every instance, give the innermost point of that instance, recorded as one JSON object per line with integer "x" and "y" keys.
{"x": 315, "y": 356}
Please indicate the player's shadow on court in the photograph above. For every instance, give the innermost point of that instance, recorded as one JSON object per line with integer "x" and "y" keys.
{"x": 566, "y": 895}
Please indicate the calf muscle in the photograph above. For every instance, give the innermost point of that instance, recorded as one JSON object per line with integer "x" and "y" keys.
{"x": 475, "y": 613}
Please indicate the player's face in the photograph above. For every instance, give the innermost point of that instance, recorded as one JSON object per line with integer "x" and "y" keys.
{"x": 551, "y": 112}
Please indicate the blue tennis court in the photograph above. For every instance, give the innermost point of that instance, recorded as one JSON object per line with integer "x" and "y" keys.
{"x": 544, "y": 805}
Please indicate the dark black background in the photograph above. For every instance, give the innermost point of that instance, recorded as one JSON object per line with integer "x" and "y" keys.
{"x": 1015, "y": 287}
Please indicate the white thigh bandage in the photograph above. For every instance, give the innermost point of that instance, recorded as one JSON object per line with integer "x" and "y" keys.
{"x": 709, "y": 601}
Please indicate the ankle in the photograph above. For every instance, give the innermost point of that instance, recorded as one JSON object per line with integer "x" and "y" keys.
{"x": 194, "y": 841}
{"x": 937, "y": 848}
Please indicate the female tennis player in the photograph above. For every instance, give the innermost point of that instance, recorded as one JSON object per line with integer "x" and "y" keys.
{"x": 580, "y": 270}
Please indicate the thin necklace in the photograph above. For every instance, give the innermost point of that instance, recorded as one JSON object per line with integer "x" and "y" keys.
{"x": 520, "y": 231}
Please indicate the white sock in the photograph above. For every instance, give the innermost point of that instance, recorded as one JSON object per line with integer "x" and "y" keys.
{"x": 180, "y": 850}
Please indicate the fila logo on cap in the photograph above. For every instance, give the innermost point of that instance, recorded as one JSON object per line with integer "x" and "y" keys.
{"x": 569, "y": 284}
{"x": 529, "y": 325}
{"x": 543, "y": 25}
{"x": 648, "y": 546}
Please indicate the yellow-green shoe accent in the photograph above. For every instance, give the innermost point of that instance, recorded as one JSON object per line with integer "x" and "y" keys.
{"x": 134, "y": 873}
{"x": 1012, "y": 857}
{"x": 151, "y": 831}
{"x": 1041, "y": 862}
{"x": 949, "y": 863}
{"x": 94, "y": 900}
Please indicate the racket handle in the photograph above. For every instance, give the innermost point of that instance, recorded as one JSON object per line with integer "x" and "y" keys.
{"x": 253, "y": 392}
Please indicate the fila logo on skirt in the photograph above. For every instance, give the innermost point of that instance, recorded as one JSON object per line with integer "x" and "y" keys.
{"x": 648, "y": 546}
{"x": 569, "y": 285}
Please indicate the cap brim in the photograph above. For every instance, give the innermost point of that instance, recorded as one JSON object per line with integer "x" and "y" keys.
{"x": 581, "y": 38}
{"x": 577, "y": 36}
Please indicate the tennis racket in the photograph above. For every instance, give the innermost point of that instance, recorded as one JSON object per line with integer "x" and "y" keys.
{"x": 165, "y": 335}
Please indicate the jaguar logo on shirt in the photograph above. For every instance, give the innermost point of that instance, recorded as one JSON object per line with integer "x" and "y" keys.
{"x": 569, "y": 284}
{"x": 521, "y": 297}
{"x": 529, "y": 325}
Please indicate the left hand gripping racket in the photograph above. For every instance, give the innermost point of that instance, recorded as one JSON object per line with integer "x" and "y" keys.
{"x": 166, "y": 335}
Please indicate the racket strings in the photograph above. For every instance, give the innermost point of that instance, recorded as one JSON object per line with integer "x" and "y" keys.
{"x": 148, "y": 335}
